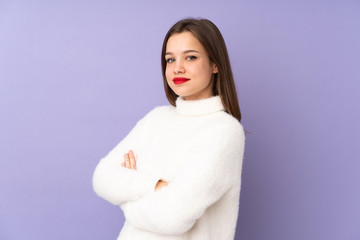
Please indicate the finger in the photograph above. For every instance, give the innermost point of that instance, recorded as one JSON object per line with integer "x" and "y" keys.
{"x": 124, "y": 162}
{"x": 160, "y": 184}
{"x": 127, "y": 160}
{"x": 132, "y": 159}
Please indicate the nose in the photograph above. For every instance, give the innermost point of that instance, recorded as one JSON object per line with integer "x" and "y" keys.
{"x": 179, "y": 67}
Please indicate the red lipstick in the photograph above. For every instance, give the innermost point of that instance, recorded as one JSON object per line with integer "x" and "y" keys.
{"x": 180, "y": 80}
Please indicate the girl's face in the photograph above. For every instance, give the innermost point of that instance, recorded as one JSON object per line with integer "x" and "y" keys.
{"x": 188, "y": 70}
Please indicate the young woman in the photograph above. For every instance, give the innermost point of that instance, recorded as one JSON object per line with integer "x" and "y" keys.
{"x": 177, "y": 174}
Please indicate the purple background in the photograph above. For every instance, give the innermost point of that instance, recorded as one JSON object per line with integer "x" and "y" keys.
{"x": 76, "y": 76}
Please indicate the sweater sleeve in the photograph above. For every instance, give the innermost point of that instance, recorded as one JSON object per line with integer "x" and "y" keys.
{"x": 209, "y": 172}
{"x": 118, "y": 184}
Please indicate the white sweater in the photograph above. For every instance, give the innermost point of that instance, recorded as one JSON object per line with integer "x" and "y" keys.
{"x": 198, "y": 148}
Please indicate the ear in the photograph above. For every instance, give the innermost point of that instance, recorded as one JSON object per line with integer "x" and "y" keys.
{"x": 214, "y": 69}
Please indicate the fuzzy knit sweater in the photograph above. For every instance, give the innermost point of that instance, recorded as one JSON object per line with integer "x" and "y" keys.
{"x": 198, "y": 148}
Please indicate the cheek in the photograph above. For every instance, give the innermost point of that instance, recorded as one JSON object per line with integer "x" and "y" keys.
{"x": 168, "y": 75}
{"x": 167, "y": 72}
{"x": 204, "y": 72}
{"x": 201, "y": 68}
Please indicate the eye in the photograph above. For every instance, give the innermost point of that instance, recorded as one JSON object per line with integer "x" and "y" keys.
{"x": 191, "y": 58}
{"x": 170, "y": 60}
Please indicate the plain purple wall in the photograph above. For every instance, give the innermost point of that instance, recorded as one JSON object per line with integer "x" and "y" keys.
{"x": 76, "y": 76}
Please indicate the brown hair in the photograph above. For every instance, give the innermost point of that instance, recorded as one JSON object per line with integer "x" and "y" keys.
{"x": 210, "y": 37}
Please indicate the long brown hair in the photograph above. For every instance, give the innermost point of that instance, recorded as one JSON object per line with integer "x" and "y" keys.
{"x": 210, "y": 37}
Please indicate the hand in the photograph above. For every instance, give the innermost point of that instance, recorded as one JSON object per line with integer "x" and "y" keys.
{"x": 160, "y": 184}
{"x": 129, "y": 160}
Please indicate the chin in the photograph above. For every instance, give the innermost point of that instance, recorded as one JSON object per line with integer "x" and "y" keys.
{"x": 180, "y": 93}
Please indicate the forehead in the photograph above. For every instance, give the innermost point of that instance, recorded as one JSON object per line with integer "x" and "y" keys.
{"x": 180, "y": 42}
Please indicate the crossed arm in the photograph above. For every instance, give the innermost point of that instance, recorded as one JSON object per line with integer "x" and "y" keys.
{"x": 130, "y": 162}
{"x": 175, "y": 209}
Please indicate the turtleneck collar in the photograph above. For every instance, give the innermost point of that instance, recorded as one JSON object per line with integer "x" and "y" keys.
{"x": 199, "y": 107}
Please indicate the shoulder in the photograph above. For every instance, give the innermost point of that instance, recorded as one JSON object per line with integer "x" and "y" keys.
{"x": 155, "y": 114}
{"x": 228, "y": 134}
{"x": 221, "y": 129}
{"x": 159, "y": 111}
{"x": 225, "y": 125}
{"x": 219, "y": 135}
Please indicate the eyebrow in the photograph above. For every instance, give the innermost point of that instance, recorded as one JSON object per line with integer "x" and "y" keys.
{"x": 187, "y": 51}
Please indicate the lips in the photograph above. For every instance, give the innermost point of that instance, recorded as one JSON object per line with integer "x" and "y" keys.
{"x": 180, "y": 80}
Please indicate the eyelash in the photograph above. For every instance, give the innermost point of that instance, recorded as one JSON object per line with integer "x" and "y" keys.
{"x": 170, "y": 60}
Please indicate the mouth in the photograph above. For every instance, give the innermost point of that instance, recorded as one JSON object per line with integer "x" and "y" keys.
{"x": 180, "y": 80}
